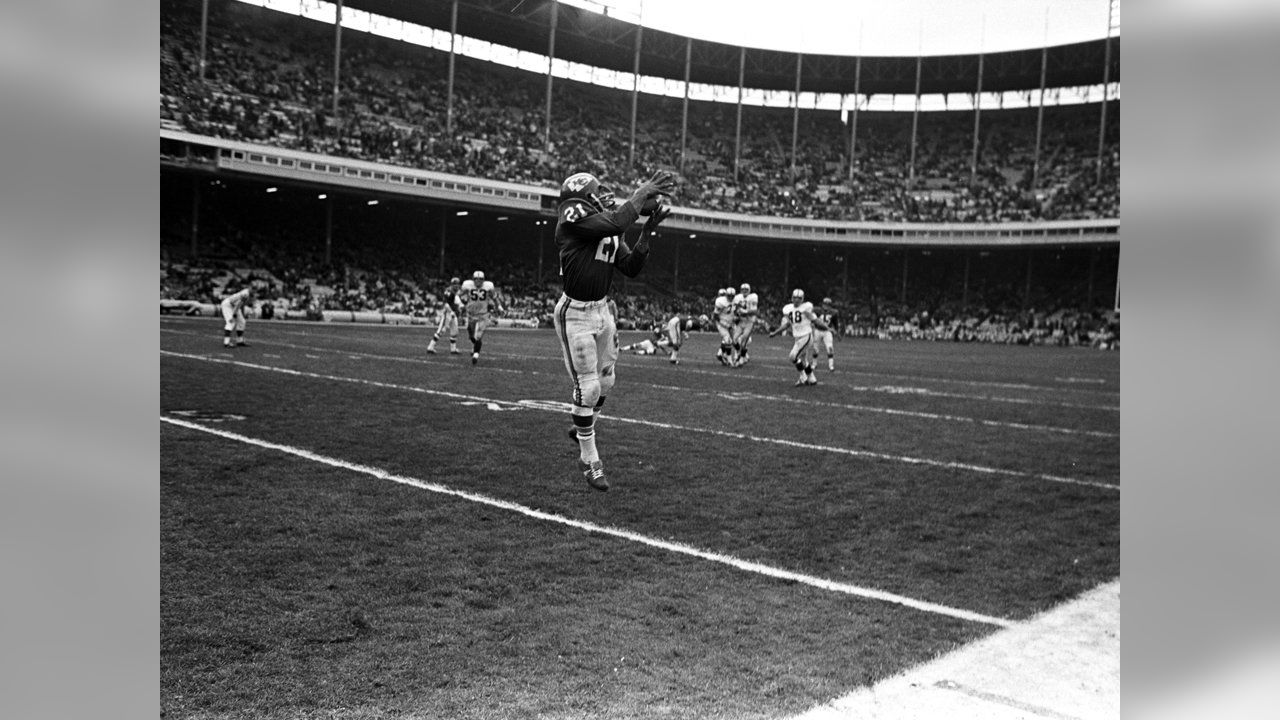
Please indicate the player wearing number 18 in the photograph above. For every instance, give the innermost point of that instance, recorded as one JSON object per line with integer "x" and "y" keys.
{"x": 589, "y": 236}
{"x": 798, "y": 315}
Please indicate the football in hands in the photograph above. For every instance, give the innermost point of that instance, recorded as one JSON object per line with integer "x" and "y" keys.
{"x": 651, "y": 205}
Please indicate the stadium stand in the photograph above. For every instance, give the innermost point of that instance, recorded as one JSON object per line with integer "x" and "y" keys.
{"x": 269, "y": 79}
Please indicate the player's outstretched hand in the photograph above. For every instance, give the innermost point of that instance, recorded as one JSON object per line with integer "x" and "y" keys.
{"x": 661, "y": 183}
{"x": 656, "y": 217}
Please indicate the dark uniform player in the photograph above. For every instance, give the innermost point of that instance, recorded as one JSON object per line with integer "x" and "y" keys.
{"x": 589, "y": 237}
{"x": 447, "y": 320}
{"x": 829, "y": 317}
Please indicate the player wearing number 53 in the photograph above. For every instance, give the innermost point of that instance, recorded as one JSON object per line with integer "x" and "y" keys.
{"x": 589, "y": 237}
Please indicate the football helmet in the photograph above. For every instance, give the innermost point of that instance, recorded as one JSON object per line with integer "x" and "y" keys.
{"x": 454, "y": 281}
{"x": 477, "y": 276}
{"x": 745, "y": 289}
{"x": 722, "y": 292}
{"x": 585, "y": 186}
{"x": 797, "y": 296}
{"x": 826, "y": 301}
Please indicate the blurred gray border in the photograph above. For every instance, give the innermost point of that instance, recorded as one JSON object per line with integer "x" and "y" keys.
{"x": 1200, "y": 274}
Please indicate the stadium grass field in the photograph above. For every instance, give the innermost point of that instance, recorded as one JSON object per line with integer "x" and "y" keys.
{"x": 353, "y": 528}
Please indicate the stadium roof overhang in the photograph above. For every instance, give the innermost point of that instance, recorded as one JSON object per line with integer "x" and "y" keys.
{"x": 592, "y": 39}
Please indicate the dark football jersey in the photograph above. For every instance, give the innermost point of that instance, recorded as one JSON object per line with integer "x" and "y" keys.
{"x": 591, "y": 245}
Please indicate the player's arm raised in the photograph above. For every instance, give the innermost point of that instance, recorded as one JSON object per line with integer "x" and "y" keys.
{"x": 631, "y": 260}
{"x": 617, "y": 220}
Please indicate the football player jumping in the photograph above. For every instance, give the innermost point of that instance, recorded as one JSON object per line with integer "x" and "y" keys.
{"x": 589, "y": 236}
{"x": 798, "y": 315}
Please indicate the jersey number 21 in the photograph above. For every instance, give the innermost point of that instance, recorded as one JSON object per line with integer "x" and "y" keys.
{"x": 606, "y": 249}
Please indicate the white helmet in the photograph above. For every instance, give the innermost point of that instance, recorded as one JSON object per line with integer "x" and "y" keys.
{"x": 797, "y": 296}
{"x": 478, "y": 275}
{"x": 722, "y": 292}
{"x": 745, "y": 289}
{"x": 826, "y": 301}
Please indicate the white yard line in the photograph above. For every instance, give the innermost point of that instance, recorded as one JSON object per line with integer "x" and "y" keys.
{"x": 847, "y": 366}
{"x": 552, "y": 406}
{"x": 1063, "y": 664}
{"x": 679, "y": 548}
{"x": 783, "y": 398}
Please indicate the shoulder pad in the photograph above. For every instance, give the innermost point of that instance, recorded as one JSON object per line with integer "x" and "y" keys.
{"x": 487, "y": 285}
{"x": 468, "y": 285}
{"x": 574, "y": 209}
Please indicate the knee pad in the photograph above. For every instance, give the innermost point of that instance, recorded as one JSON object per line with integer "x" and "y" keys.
{"x": 607, "y": 379}
{"x": 587, "y": 393}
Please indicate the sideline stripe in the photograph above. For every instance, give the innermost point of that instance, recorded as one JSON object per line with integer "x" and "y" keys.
{"x": 555, "y": 407}
{"x": 732, "y": 395}
{"x": 680, "y": 548}
{"x": 764, "y": 361}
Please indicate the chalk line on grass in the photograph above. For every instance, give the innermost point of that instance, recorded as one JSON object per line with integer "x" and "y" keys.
{"x": 679, "y": 548}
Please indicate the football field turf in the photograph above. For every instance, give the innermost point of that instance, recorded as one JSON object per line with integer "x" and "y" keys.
{"x": 351, "y": 527}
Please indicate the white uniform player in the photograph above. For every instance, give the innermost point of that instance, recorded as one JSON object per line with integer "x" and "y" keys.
{"x": 233, "y": 307}
{"x": 675, "y": 336}
{"x": 724, "y": 323}
{"x": 745, "y": 308}
{"x": 798, "y": 315}
{"x": 479, "y": 297}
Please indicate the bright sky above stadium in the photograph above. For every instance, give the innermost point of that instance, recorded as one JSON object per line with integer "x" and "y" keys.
{"x": 873, "y": 27}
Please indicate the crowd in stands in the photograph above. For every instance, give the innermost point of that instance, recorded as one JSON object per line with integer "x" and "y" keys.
{"x": 302, "y": 283}
{"x": 269, "y": 79}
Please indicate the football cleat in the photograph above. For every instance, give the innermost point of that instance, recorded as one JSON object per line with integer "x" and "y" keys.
{"x": 595, "y": 474}
{"x": 475, "y": 358}
{"x": 431, "y": 351}
{"x": 453, "y": 351}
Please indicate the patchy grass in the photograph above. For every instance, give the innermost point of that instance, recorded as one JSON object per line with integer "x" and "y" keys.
{"x": 295, "y": 589}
